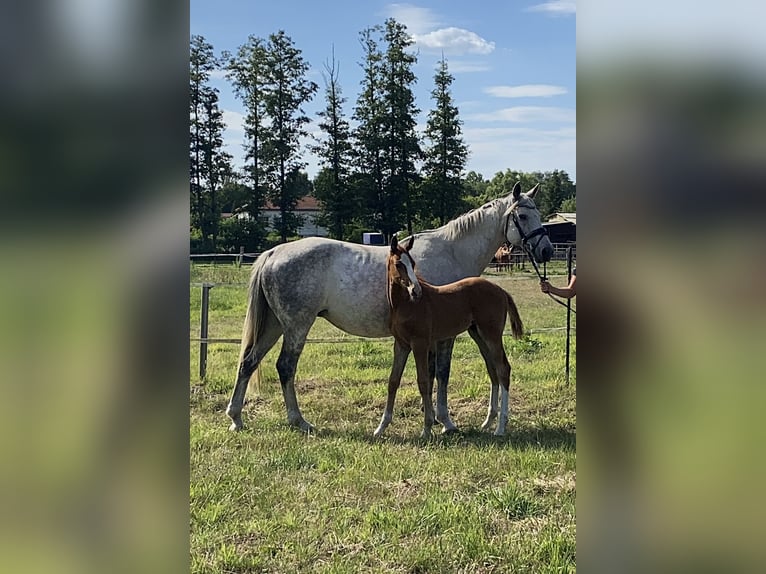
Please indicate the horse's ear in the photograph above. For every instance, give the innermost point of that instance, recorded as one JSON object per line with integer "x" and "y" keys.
{"x": 516, "y": 191}
{"x": 531, "y": 193}
{"x": 394, "y": 244}
{"x": 409, "y": 243}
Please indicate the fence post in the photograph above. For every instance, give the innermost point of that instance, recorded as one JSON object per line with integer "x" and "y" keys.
{"x": 203, "y": 329}
{"x": 241, "y": 255}
{"x": 569, "y": 305}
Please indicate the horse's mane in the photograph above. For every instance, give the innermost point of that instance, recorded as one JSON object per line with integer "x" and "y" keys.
{"x": 458, "y": 227}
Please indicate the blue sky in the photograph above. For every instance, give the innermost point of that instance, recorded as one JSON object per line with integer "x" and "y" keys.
{"x": 513, "y": 63}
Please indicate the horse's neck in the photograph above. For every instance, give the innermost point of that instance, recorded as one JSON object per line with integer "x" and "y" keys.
{"x": 478, "y": 244}
{"x": 399, "y": 299}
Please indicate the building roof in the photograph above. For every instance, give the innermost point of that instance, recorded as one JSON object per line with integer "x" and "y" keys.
{"x": 305, "y": 203}
{"x": 566, "y": 217}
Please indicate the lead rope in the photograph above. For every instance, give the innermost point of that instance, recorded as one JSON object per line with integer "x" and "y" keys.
{"x": 542, "y": 277}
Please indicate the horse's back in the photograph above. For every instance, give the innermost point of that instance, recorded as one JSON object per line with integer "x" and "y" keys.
{"x": 340, "y": 281}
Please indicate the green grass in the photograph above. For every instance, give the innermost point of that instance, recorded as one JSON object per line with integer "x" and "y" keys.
{"x": 271, "y": 499}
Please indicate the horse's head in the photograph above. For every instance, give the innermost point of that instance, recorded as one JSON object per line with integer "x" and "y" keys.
{"x": 523, "y": 225}
{"x": 401, "y": 269}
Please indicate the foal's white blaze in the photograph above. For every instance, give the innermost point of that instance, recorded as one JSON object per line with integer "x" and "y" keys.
{"x": 414, "y": 289}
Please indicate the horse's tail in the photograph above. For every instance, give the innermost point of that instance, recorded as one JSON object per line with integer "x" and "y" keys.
{"x": 256, "y": 308}
{"x": 517, "y": 327}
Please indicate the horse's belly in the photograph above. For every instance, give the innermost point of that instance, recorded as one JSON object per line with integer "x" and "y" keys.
{"x": 359, "y": 324}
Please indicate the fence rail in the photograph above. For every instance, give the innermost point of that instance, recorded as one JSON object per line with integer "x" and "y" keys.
{"x": 517, "y": 257}
{"x": 238, "y": 258}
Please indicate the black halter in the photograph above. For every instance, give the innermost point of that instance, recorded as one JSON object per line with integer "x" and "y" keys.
{"x": 540, "y": 232}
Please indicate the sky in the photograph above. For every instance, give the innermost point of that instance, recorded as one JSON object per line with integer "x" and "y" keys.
{"x": 513, "y": 64}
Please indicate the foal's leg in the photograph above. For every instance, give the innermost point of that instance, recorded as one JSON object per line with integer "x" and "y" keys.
{"x": 443, "y": 362}
{"x": 420, "y": 352}
{"x": 401, "y": 353}
{"x": 493, "y": 395}
{"x": 292, "y": 347}
{"x": 502, "y": 369}
{"x": 271, "y": 332}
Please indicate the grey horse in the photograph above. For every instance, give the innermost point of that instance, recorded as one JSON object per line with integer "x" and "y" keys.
{"x": 294, "y": 283}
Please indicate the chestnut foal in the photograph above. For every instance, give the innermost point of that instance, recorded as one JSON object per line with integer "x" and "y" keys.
{"x": 422, "y": 314}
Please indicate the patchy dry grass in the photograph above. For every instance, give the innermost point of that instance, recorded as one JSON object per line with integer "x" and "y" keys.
{"x": 270, "y": 499}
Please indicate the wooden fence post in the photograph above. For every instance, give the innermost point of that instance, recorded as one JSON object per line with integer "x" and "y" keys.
{"x": 203, "y": 329}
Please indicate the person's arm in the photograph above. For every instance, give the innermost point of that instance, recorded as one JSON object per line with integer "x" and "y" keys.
{"x": 566, "y": 292}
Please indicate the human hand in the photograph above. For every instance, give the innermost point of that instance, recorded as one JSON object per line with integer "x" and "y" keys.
{"x": 544, "y": 286}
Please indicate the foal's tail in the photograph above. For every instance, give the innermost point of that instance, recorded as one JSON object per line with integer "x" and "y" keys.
{"x": 517, "y": 327}
{"x": 256, "y": 308}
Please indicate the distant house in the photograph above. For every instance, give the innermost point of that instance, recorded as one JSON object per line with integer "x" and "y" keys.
{"x": 307, "y": 207}
{"x": 562, "y": 227}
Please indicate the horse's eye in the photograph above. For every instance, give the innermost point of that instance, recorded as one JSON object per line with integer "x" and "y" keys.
{"x": 523, "y": 216}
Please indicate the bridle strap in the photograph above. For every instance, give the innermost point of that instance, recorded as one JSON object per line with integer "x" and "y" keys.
{"x": 540, "y": 232}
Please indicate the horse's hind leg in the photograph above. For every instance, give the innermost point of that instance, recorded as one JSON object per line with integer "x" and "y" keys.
{"x": 292, "y": 347}
{"x": 493, "y": 395}
{"x": 247, "y": 366}
{"x": 502, "y": 368}
{"x": 401, "y": 353}
{"x": 443, "y": 362}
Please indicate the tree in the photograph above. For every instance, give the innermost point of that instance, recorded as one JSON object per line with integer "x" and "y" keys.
{"x": 288, "y": 90}
{"x": 368, "y": 179}
{"x": 331, "y": 187}
{"x": 476, "y": 189}
{"x": 401, "y": 143}
{"x": 447, "y": 154}
{"x": 208, "y": 164}
{"x": 555, "y": 188}
{"x": 248, "y": 73}
{"x": 569, "y": 205}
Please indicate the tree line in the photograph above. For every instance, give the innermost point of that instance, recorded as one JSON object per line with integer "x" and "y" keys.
{"x": 380, "y": 175}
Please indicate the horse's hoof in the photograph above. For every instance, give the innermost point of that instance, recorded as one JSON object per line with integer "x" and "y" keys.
{"x": 308, "y": 428}
{"x": 499, "y": 432}
{"x": 235, "y": 427}
{"x": 450, "y": 430}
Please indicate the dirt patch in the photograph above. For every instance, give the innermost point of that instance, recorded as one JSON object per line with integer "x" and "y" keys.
{"x": 562, "y": 483}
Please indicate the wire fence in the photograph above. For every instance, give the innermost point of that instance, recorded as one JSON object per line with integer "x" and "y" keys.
{"x": 204, "y": 340}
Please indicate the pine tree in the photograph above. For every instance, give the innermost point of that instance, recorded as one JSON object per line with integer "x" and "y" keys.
{"x": 368, "y": 180}
{"x": 402, "y": 145}
{"x": 208, "y": 164}
{"x": 446, "y": 157}
{"x": 287, "y": 91}
{"x": 248, "y": 73}
{"x": 331, "y": 185}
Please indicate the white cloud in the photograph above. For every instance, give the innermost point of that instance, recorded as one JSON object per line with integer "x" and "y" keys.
{"x": 424, "y": 26}
{"x": 457, "y": 67}
{"x": 521, "y": 114}
{"x": 235, "y": 121}
{"x": 454, "y": 41}
{"x": 555, "y": 7}
{"x": 218, "y": 74}
{"x": 525, "y": 91}
{"x": 418, "y": 20}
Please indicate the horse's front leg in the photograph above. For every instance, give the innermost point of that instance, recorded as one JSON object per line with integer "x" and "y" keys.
{"x": 420, "y": 351}
{"x": 401, "y": 353}
{"x": 443, "y": 362}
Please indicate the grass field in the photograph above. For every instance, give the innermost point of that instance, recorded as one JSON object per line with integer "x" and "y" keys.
{"x": 271, "y": 499}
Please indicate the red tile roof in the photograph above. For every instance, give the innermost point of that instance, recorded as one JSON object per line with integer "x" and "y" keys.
{"x": 306, "y": 203}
